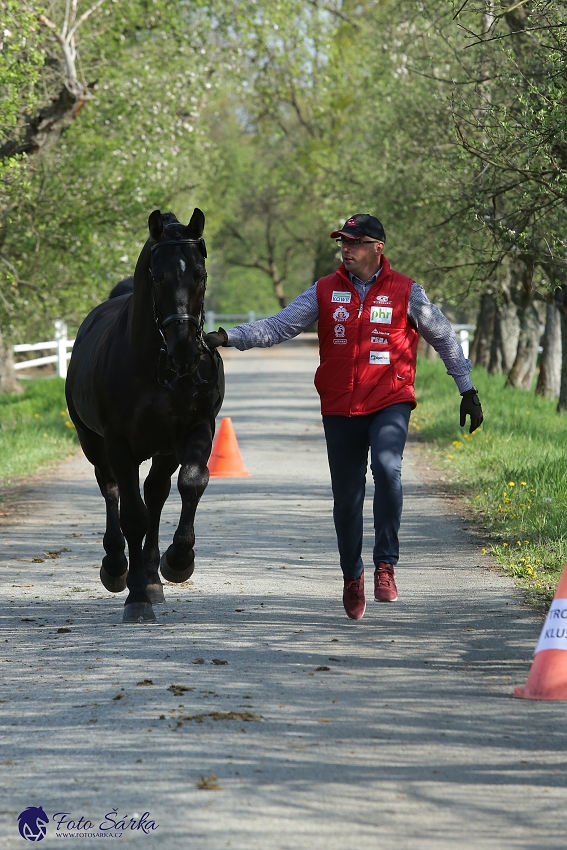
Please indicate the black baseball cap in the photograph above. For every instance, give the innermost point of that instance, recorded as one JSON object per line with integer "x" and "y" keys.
{"x": 361, "y": 224}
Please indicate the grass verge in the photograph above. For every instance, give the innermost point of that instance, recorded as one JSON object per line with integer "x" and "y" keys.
{"x": 34, "y": 429}
{"x": 511, "y": 471}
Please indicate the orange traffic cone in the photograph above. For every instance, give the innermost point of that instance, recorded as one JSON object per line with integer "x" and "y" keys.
{"x": 547, "y": 678}
{"x": 226, "y": 460}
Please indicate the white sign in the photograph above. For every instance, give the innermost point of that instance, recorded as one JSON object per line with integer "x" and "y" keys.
{"x": 341, "y": 297}
{"x": 380, "y": 358}
{"x": 554, "y": 632}
{"x": 381, "y": 314}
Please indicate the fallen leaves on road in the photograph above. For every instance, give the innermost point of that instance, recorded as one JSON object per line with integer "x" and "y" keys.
{"x": 145, "y": 682}
{"x": 208, "y": 783}
{"x": 218, "y": 661}
{"x": 321, "y": 669}
{"x": 63, "y": 631}
{"x": 198, "y": 661}
{"x": 178, "y": 690}
{"x": 247, "y": 716}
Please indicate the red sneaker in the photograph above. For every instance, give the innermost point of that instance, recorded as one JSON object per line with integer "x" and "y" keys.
{"x": 353, "y": 597}
{"x": 385, "y": 589}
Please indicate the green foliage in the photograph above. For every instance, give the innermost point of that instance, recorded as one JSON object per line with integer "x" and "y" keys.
{"x": 34, "y": 429}
{"x": 512, "y": 470}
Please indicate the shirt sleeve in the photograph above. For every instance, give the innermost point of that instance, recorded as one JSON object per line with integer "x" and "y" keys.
{"x": 436, "y": 330}
{"x": 286, "y": 324}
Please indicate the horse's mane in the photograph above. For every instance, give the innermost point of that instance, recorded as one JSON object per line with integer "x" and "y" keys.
{"x": 125, "y": 287}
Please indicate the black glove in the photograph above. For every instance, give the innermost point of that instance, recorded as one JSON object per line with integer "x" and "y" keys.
{"x": 471, "y": 404}
{"x": 216, "y": 339}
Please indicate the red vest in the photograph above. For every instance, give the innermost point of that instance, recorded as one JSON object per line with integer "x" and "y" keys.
{"x": 368, "y": 351}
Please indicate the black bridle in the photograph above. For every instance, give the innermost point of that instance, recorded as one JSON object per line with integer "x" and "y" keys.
{"x": 198, "y": 321}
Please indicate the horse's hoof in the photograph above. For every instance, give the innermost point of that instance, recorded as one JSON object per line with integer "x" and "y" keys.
{"x": 176, "y": 576}
{"x": 154, "y": 592}
{"x": 116, "y": 584}
{"x": 138, "y": 612}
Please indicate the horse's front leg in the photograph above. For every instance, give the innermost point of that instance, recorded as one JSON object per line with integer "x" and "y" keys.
{"x": 178, "y": 563}
{"x": 134, "y": 523}
{"x": 156, "y": 490}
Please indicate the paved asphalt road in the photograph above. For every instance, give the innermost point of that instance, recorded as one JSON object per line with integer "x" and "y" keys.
{"x": 398, "y": 731}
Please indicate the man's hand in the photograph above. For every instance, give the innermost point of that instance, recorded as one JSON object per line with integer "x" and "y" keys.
{"x": 216, "y": 339}
{"x": 471, "y": 404}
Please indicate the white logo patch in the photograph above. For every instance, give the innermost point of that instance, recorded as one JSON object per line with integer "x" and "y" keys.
{"x": 340, "y": 314}
{"x": 339, "y": 330}
{"x": 382, "y": 299}
{"x": 379, "y": 358}
{"x": 381, "y": 314}
{"x": 379, "y": 340}
{"x": 341, "y": 297}
{"x": 340, "y": 341}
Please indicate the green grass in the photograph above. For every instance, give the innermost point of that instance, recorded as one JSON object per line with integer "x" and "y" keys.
{"x": 34, "y": 429}
{"x": 512, "y": 471}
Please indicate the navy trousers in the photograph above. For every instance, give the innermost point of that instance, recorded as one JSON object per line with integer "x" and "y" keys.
{"x": 348, "y": 440}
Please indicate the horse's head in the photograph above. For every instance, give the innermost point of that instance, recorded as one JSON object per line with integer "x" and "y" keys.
{"x": 178, "y": 281}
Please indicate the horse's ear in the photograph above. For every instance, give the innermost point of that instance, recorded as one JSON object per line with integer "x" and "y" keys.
{"x": 155, "y": 224}
{"x": 197, "y": 223}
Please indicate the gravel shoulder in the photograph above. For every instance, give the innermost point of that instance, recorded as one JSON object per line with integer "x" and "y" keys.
{"x": 288, "y": 726}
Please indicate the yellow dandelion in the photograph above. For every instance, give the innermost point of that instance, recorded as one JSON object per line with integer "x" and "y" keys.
{"x": 457, "y": 444}
{"x": 483, "y": 551}
{"x": 36, "y": 415}
{"x": 523, "y": 483}
{"x": 450, "y": 457}
{"x": 511, "y": 484}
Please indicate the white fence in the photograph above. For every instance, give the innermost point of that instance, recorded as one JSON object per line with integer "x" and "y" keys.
{"x": 61, "y": 344}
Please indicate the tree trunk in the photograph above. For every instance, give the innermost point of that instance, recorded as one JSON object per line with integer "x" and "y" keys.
{"x": 522, "y": 372}
{"x": 484, "y": 334}
{"x": 8, "y": 382}
{"x": 549, "y": 379}
{"x": 506, "y": 335}
{"x": 560, "y": 297}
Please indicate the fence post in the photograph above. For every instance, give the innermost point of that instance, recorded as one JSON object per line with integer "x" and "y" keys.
{"x": 210, "y": 321}
{"x": 61, "y": 337}
{"x": 464, "y": 340}
{"x": 251, "y": 316}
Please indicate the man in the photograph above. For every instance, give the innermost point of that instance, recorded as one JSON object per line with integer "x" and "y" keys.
{"x": 368, "y": 317}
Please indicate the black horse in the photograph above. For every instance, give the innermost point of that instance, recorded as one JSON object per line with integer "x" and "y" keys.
{"x": 143, "y": 384}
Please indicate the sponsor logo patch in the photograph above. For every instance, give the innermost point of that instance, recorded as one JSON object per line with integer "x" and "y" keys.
{"x": 340, "y": 314}
{"x": 339, "y": 330}
{"x": 341, "y": 297}
{"x": 340, "y": 341}
{"x": 381, "y": 314}
{"x": 379, "y": 358}
{"x": 382, "y": 299}
{"x": 379, "y": 340}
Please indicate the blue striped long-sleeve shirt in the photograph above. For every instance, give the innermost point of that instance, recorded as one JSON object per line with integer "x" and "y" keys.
{"x": 433, "y": 326}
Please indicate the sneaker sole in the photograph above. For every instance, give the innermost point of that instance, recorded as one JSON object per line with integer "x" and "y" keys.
{"x": 385, "y": 600}
{"x": 356, "y": 618}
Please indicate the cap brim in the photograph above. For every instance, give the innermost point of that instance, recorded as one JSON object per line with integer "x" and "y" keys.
{"x": 338, "y": 233}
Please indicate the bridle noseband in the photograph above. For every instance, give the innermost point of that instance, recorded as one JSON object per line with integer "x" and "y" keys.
{"x": 199, "y": 321}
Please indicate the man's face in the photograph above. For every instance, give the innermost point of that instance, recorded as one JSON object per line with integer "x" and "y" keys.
{"x": 360, "y": 255}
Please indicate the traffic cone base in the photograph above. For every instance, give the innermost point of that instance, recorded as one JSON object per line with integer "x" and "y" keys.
{"x": 547, "y": 679}
{"x": 226, "y": 460}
